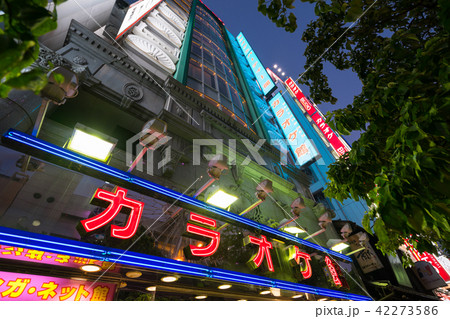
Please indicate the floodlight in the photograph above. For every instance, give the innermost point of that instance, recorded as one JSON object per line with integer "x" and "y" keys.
{"x": 340, "y": 246}
{"x": 294, "y": 230}
{"x": 221, "y": 199}
{"x": 91, "y": 143}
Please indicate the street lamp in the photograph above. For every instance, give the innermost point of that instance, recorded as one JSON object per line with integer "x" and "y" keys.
{"x": 296, "y": 207}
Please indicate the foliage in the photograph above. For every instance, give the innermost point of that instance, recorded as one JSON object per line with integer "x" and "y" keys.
{"x": 276, "y": 10}
{"x": 400, "y": 165}
{"x": 21, "y": 23}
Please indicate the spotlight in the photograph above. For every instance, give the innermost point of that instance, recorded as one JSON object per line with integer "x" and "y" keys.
{"x": 169, "y": 279}
{"x": 91, "y": 268}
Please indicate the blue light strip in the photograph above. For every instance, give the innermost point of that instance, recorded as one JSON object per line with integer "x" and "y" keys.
{"x": 44, "y": 146}
{"x": 29, "y": 240}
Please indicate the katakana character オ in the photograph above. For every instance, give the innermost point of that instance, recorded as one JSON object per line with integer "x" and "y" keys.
{"x": 305, "y": 268}
{"x": 263, "y": 250}
{"x": 286, "y": 123}
{"x": 34, "y": 254}
{"x": 49, "y": 291}
{"x": 81, "y": 292}
{"x": 117, "y": 202}
{"x": 199, "y": 232}
{"x": 100, "y": 293}
{"x": 68, "y": 292}
{"x": 16, "y": 288}
{"x": 62, "y": 259}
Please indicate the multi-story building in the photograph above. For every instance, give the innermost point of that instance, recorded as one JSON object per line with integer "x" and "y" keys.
{"x": 146, "y": 164}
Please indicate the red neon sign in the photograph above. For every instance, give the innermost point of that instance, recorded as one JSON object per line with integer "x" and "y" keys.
{"x": 333, "y": 272}
{"x": 307, "y": 271}
{"x": 212, "y": 247}
{"x": 116, "y": 203}
{"x": 300, "y": 96}
{"x": 329, "y": 134}
{"x": 263, "y": 250}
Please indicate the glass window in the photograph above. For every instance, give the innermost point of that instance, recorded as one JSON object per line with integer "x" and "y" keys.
{"x": 195, "y": 70}
{"x": 222, "y": 86}
{"x": 195, "y": 48}
{"x": 207, "y": 56}
{"x": 209, "y": 78}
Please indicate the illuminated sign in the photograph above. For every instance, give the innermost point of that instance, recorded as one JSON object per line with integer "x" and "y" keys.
{"x": 300, "y": 145}
{"x": 24, "y": 287}
{"x": 115, "y": 203}
{"x": 196, "y": 230}
{"x": 306, "y": 269}
{"x": 428, "y": 258}
{"x": 136, "y": 12}
{"x": 262, "y": 77}
{"x": 263, "y": 250}
{"x": 327, "y": 132}
{"x": 333, "y": 272}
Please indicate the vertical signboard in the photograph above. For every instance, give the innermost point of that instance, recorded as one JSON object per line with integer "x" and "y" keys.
{"x": 299, "y": 143}
{"x": 262, "y": 77}
{"x": 327, "y": 132}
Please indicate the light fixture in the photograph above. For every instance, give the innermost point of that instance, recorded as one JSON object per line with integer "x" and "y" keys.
{"x": 36, "y": 223}
{"x": 265, "y": 292}
{"x": 169, "y": 279}
{"x": 242, "y": 300}
{"x": 275, "y": 66}
{"x": 224, "y": 287}
{"x": 322, "y": 299}
{"x": 297, "y": 296}
{"x": 221, "y": 199}
{"x": 296, "y": 208}
{"x": 133, "y": 274}
{"x": 151, "y": 288}
{"x": 78, "y": 278}
{"x": 123, "y": 284}
{"x": 279, "y": 70}
{"x": 294, "y": 230}
{"x": 201, "y": 297}
{"x": 283, "y": 74}
{"x": 339, "y": 246}
{"x": 91, "y": 143}
{"x": 91, "y": 268}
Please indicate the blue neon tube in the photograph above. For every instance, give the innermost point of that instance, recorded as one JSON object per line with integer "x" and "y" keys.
{"x": 29, "y": 240}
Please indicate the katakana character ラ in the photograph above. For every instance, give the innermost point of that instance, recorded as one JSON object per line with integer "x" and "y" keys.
{"x": 100, "y": 293}
{"x": 68, "y": 292}
{"x": 49, "y": 291}
{"x": 199, "y": 232}
{"x": 16, "y": 288}
{"x": 263, "y": 250}
{"x": 34, "y": 254}
{"x": 116, "y": 202}
{"x": 306, "y": 269}
{"x": 81, "y": 292}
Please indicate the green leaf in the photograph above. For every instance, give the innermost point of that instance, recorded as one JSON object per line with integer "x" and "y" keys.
{"x": 366, "y": 224}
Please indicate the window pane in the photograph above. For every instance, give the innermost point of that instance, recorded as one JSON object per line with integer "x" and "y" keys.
{"x": 209, "y": 78}
{"x": 195, "y": 70}
{"x": 222, "y": 86}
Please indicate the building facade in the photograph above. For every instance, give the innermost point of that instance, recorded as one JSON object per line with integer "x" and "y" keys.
{"x": 195, "y": 197}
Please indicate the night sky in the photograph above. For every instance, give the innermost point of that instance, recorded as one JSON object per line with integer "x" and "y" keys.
{"x": 274, "y": 45}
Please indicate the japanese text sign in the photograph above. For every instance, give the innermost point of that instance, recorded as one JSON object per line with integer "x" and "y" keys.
{"x": 310, "y": 109}
{"x": 299, "y": 143}
{"x": 24, "y": 287}
{"x": 262, "y": 77}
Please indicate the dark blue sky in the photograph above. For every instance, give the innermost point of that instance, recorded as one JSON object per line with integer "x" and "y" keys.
{"x": 274, "y": 45}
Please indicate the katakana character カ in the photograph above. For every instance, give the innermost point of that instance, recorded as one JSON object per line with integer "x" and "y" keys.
{"x": 280, "y": 112}
{"x": 17, "y": 287}
{"x": 49, "y": 291}
{"x": 100, "y": 293}
{"x": 68, "y": 292}
{"x": 81, "y": 292}
{"x": 263, "y": 250}
{"x": 62, "y": 259}
{"x": 199, "y": 232}
{"x": 301, "y": 150}
{"x": 34, "y": 254}
{"x": 286, "y": 123}
{"x": 116, "y": 202}
{"x": 306, "y": 270}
